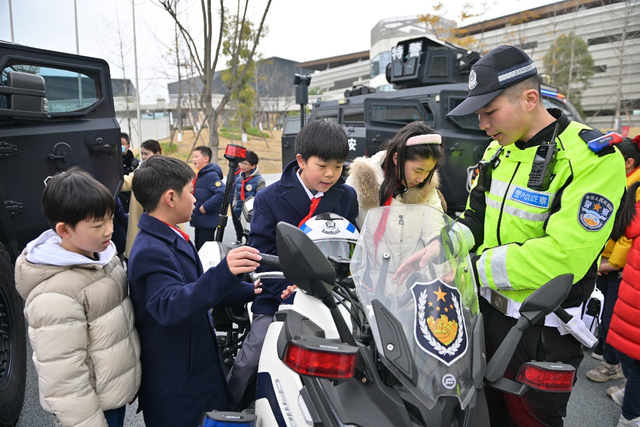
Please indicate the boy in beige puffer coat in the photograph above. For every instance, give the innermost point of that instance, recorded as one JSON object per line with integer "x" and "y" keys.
{"x": 86, "y": 350}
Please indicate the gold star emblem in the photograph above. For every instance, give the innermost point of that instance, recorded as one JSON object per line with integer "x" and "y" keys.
{"x": 440, "y": 294}
{"x": 597, "y": 206}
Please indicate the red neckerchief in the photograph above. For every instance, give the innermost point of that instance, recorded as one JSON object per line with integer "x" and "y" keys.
{"x": 382, "y": 225}
{"x": 182, "y": 233}
{"x": 631, "y": 173}
{"x": 314, "y": 204}
{"x": 244, "y": 181}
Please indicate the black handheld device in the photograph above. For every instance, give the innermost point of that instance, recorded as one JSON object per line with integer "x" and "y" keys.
{"x": 543, "y": 164}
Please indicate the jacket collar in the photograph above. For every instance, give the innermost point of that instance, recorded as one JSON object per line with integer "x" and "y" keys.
{"x": 297, "y": 198}
{"x": 546, "y": 134}
{"x": 206, "y": 169}
{"x": 162, "y": 231}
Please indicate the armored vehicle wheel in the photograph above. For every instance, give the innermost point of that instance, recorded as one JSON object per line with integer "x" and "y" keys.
{"x": 13, "y": 352}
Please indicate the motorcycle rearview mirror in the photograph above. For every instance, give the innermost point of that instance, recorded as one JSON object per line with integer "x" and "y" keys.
{"x": 303, "y": 263}
{"x": 543, "y": 301}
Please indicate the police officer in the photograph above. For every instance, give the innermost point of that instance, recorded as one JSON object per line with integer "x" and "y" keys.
{"x": 543, "y": 205}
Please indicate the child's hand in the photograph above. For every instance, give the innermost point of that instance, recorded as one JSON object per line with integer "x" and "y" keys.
{"x": 257, "y": 286}
{"x": 287, "y": 292}
{"x": 243, "y": 260}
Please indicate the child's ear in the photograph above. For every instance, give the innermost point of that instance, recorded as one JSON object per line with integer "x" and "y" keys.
{"x": 301, "y": 162}
{"x": 63, "y": 229}
{"x": 169, "y": 198}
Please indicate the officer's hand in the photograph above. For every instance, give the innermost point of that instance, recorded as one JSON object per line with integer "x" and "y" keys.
{"x": 417, "y": 261}
{"x": 243, "y": 260}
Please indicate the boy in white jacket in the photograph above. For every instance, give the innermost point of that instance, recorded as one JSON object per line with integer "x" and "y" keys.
{"x": 81, "y": 325}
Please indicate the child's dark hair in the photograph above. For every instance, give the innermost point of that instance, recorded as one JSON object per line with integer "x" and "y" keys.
{"x": 74, "y": 196}
{"x": 251, "y": 158}
{"x": 394, "y": 175}
{"x": 152, "y": 145}
{"x": 323, "y": 139}
{"x": 204, "y": 151}
{"x": 626, "y": 212}
{"x": 157, "y": 175}
{"x": 629, "y": 149}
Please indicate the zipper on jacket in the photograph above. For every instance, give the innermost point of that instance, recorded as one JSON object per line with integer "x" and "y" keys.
{"x": 504, "y": 199}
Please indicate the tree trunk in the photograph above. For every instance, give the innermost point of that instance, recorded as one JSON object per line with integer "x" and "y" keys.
{"x": 214, "y": 139}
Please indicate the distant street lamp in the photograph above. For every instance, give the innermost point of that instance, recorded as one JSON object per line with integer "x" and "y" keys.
{"x": 302, "y": 82}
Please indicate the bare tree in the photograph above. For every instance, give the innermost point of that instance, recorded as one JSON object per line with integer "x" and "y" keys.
{"x": 621, "y": 42}
{"x": 205, "y": 59}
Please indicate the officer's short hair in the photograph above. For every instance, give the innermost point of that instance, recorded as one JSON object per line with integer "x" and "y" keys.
{"x": 74, "y": 196}
{"x": 204, "y": 151}
{"x": 512, "y": 93}
{"x": 324, "y": 139}
{"x": 125, "y": 136}
{"x": 155, "y": 176}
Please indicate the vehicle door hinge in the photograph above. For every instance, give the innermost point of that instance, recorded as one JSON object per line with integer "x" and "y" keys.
{"x": 7, "y": 150}
{"x": 13, "y": 208}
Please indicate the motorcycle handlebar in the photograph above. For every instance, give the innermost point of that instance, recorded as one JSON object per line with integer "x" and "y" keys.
{"x": 270, "y": 260}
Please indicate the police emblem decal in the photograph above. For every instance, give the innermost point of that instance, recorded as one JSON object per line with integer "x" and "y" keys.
{"x": 594, "y": 212}
{"x": 473, "y": 80}
{"x": 439, "y": 328}
{"x": 330, "y": 227}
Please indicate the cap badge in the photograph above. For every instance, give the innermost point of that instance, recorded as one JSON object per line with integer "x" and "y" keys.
{"x": 473, "y": 80}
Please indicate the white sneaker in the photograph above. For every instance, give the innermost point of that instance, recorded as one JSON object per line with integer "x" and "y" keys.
{"x": 618, "y": 397}
{"x": 616, "y": 387}
{"x": 623, "y": 422}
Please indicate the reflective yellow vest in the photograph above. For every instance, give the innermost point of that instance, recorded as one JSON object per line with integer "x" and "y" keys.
{"x": 530, "y": 237}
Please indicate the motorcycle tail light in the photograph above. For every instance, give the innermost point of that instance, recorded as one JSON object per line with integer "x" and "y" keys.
{"x": 547, "y": 376}
{"x": 227, "y": 419}
{"x": 321, "y": 361}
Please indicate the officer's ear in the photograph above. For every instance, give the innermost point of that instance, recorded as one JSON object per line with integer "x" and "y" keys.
{"x": 531, "y": 98}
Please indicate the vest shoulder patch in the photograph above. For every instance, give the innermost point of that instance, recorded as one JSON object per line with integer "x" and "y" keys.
{"x": 595, "y": 210}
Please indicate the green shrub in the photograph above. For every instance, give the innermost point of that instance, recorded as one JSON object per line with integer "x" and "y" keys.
{"x": 168, "y": 149}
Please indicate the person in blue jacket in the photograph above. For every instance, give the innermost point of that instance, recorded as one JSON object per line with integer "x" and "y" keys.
{"x": 182, "y": 372}
{"x": 248, "y": 183}
{"x": 311, "y": 184}
{"x": 208, "y": 189}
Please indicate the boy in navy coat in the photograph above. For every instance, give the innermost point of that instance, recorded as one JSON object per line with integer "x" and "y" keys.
{"x": 182, "y": 373}
{"x": 209, "y": 193}
{"x": 310, "y": 185}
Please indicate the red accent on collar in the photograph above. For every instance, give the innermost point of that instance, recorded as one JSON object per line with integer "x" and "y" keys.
{"x": 182, "y": 233}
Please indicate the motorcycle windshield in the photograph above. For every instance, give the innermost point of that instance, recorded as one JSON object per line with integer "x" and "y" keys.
{"x": 436, "y": 304}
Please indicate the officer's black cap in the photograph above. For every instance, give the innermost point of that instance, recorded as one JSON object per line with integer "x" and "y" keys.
{"x": 502, "y": 67}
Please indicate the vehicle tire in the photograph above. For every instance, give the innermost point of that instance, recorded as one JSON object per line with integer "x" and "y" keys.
{"x": 13, "y": 351}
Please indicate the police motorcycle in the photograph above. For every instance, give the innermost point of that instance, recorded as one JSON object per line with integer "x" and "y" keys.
{"x": 371, "y": 350}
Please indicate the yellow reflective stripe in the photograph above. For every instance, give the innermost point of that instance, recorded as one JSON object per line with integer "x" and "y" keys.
{"x": 498, "y": 268}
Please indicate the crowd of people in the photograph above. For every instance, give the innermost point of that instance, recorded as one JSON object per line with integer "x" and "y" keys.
{"x": 103, "y": 336}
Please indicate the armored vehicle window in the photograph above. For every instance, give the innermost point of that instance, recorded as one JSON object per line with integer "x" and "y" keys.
{"x": 291, "y": 125}
{"x": 331, "y": 115}
{"x": 399, "y": 114}
{"x": 353, "y": 116}
{"x": 469, "y": 121}
{"x": 67, "y": 91}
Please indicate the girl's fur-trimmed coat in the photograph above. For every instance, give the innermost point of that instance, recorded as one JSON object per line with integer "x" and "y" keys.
{"x": 366, "y": 177}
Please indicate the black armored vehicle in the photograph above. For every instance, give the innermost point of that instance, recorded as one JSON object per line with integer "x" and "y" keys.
{"x": 430, "y": 78}
{"x": 56, "y": 111}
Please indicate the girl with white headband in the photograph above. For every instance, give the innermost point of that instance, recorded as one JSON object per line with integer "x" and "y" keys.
{"x": 403, "y": 171}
